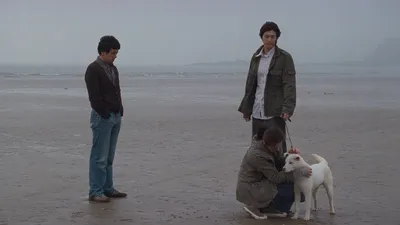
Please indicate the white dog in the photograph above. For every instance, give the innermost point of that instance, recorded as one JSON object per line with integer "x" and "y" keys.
{"x": 321, "y": 175}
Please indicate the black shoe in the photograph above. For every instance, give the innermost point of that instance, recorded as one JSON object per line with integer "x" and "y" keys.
{"x": 115, "y": 194}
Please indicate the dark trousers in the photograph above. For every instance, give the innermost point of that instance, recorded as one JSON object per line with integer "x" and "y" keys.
{"x": 279, "y": 122}
{"x": 284, "y": 200}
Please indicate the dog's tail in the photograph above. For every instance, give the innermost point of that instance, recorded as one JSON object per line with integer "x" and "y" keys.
{"x": 319, "y": 159}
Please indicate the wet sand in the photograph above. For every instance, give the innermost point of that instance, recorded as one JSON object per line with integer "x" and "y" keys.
{"x": 178, "y": 154}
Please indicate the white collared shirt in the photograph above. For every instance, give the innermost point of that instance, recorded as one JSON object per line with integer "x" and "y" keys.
{"x": 265, "y": 60}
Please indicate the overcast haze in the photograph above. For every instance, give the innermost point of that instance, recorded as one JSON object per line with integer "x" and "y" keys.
{"x": 190, "y": 31}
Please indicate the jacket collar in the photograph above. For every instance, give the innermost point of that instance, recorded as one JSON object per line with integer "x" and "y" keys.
{"x": 269, "y": 53}
{"x": 102, "y": 63}
{"x": 260, "y": 51}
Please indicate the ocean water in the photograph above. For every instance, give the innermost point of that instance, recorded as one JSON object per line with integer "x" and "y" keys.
{"x": 318, "y": 85}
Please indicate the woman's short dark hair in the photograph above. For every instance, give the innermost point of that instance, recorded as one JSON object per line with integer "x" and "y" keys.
{"x": 107, "y": 43}
{"x": 268, "y": 26}
{"x": 273, "y": 136}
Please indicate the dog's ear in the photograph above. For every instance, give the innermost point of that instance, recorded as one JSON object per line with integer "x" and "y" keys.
{"x": 297, "y": 158}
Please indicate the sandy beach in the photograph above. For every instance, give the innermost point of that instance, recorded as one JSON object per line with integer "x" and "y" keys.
{"x": 180, "y": 148}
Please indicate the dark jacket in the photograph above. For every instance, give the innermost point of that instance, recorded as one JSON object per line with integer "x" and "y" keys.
{"x": 280, "y": 91}
{"x": 258, "y": 176}
{"x": 104, "y": 96}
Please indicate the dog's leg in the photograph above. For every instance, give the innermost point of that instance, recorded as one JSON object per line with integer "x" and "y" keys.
{"x": 314, "y": 195}
{"x": 297, "y": 198}
{"x": 329, "y": 192}
{"x": 308, "y": 198}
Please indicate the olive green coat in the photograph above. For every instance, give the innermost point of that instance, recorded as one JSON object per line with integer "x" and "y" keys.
{"x": 258, "y": 176}
{"x": 280, "y": 91}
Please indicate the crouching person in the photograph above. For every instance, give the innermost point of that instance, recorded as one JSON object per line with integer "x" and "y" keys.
{"x": 261, "y": 187}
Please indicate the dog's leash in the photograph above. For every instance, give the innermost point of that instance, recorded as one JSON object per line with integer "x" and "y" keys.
{"x": 288, "y": 134}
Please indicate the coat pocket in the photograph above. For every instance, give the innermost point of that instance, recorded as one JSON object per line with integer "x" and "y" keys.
{"x": 275, "y": 77}
{"x": 96, "y": 119}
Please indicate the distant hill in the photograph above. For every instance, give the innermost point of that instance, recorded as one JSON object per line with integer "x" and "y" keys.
{"x": 222, "y": 63}
{"x": 386, "y": 53}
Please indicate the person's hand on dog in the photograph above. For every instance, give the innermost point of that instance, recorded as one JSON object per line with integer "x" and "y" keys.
{"x": 303, "y": 172}
{"x": 307, "y": 172}
{"x": 294, "y": 150}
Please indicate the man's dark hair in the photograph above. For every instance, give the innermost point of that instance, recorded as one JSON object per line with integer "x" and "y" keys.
{"x": 268, "y": 26}
{"x": 107, "y": 43}
{"x": 273, "y": 136}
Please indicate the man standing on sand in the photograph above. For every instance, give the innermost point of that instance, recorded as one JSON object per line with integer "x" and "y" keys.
{"x": 102, "y": 83}
{"x": 270, "y": 91}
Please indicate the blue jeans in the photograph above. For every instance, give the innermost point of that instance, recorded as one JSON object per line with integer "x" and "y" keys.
{"x": 284, "y": 200}
{"x": 105, "y": 137}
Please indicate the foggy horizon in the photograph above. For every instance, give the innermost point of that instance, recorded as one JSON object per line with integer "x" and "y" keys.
{"x": 181, "y": 32}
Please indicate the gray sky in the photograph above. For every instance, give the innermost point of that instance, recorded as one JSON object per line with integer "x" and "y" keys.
{"x": 169, "y": 32}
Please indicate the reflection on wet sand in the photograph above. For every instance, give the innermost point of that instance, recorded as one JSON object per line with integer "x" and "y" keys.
{"x": 178, "y": 157}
